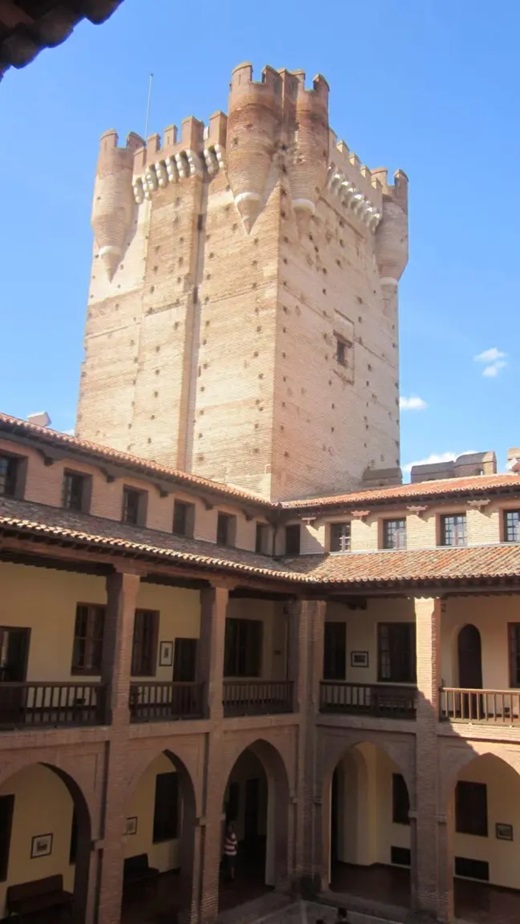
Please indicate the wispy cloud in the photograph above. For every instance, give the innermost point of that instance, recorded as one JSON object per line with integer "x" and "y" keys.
{"x": 436, "y": 457}
{"x": 413, "y": 403}
{"x": 493, "y": 361}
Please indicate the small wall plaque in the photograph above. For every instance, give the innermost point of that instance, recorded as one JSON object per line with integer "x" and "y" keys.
{"x": 359, "y": 658}
{"x": 166, "y": 654}
{"x": 41, "y": 846}
{"x": 131, "y": 825}
{"x": 503, "y": 832}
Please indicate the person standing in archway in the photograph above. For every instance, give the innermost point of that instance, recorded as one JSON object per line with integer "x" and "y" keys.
{"x": 230, "y": 851}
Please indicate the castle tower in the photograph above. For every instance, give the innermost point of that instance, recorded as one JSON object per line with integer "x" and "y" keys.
{"x": 242, "y": 318}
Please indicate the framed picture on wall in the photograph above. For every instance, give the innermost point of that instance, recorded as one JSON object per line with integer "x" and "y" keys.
{"x": 503, "y": 832}
{"x": 166, "y": 654}
{"x": 41, "y": 846}
{"x": 359, "y": 658}
{"x": 131, "y": 825}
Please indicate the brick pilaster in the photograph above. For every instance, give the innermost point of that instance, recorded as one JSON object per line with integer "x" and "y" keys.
{"x": 122, "y": 591}
{"x": 424, "y": 814}
{"x": 210, "y": 662}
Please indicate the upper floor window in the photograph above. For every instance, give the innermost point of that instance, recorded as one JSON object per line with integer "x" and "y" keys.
{"x": 453, "y": 529}
{"x": 514, "y": 653}
{"x": 226, "y": 529}
{"x": 394, "y": 534}
{"x": 335, "y": 651}
{"x": 292, "y": 539}
{"x": 511, "y": 525}
{"x": 9, "y": 470}
{"x": 144, "y": 647}
{"x": 262, "y": 538}
{"x": 183, "y": 519}
{"x": 243, "y": 647}
{"x": 88, "y": 639}
{"x": 134, "y": 506}
{"x": 76, "y": 491}
{"x": 340, "y": 537}
{"x": 471, "y": 808}
{"x": 396, "y": 652}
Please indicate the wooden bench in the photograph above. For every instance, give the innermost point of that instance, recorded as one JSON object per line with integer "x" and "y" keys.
{"x": 137, "y": 869}
{"x": 27, "y": 899}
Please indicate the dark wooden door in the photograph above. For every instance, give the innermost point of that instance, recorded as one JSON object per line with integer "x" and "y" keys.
{"x": 334, "y": 821}
{"x": 470, "y": 658}
{"x": 14, "y": 652}
{"x": 251, "y": 809}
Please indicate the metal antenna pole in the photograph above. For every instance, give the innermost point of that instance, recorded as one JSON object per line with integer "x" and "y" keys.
{"x": 150, "y": 81}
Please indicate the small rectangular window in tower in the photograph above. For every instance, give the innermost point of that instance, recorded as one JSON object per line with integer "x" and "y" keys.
{"x": 343, "y": 351}
{"x": 292, "y": 539}
{"x": 226, "y": 529}
{"x": 183, "y": 519}
{"x": 340, "y": 537}
{"x": 134, "y": 507}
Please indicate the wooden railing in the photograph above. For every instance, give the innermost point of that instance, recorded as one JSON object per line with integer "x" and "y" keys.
{"x": 257, "y": 697}
{"x": 51, "y": 705}
{"x": 501, "y": 707}
{"x": 385, "y": 700}
{"x": 156, "y": 701}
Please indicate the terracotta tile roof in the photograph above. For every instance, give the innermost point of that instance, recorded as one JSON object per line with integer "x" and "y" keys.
{"x": 411, "y": 493}
{"x": 76, "y": 528}
{"x": 417, "y": 566}
{"x": 359, "y": 571}
{"x": 141, "y": 466}
{"x": 29, "y": 26}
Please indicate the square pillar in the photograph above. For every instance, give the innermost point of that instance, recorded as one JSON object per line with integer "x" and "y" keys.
{"x": 210, "y": 657}
{"x": 306, "y": 634}
{"x": 426, "y": 855}
{"x": 122, "y": 589}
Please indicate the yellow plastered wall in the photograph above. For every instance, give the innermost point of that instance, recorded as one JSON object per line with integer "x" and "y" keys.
{"x": 163, "y": 856}
{"x": 42, "y": 805}
{"x": 503, "y": 803}
{"x": 362, "y": 630}
{"x": 490, "y": 615}
{"x": 45, "y": 601}
{"x": 366, "y": 832}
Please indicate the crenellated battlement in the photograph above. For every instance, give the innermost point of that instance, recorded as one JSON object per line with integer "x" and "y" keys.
{"x": 242, "y": 83}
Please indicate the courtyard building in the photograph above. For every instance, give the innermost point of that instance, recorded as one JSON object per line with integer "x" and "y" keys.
{"x": 219, "y": 603}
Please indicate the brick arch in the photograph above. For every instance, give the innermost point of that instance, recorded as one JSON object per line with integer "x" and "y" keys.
{"x": 269, "y": 752}
{"x": 182, "y": 763}
{"x": 83, "y": 821}
{"x": 400, "y": 752}
{"x": 462, "y": 757}
{"x": 279, "y": 797}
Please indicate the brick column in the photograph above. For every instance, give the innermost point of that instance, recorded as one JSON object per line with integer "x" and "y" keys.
{"x": 122, "y": 588}
{"x": 210, "y": 658}
{"x": 306, "y": 632}
{"x": 210, "y": 670}
{"x": 424, "y": 815}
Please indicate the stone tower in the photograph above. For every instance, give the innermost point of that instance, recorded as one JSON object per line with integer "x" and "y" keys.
{"x": 242, "y": 316}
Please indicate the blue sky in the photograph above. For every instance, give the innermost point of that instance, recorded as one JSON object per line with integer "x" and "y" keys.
{"x": 430, "y": 86}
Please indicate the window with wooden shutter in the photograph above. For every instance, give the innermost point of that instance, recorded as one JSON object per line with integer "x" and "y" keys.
{"x": 335, "y": 651}
{"x": 87, "y": 650}
{"x": 144, "y": 648}
{"x": 185, "y": 660}
{"x": 396, "y": 652}
{"x": 243, "y": 647}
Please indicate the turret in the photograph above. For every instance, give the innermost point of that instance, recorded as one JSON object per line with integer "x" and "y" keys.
{"x": 309, "y": 147}
{"x": 255, "y": 111}
{"x": 113, "y": 204}
{"x": 392, "y": 232}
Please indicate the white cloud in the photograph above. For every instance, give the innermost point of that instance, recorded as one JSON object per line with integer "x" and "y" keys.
{"x": 491, "y": 371}
{"x": 413, "y": 403}
{"x": 494, "y": 360}
{"x": 489, "y": 356}
{"x": 436, "y": 457}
